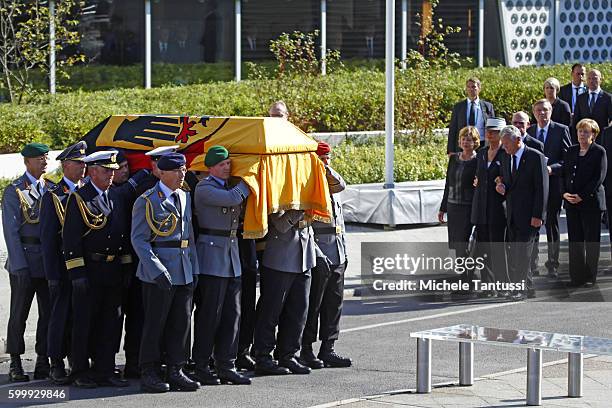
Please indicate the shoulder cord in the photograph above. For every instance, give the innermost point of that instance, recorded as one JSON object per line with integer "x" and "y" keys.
{"x": 156, "y": 225}
{"x": 60, "y": 210}
{"x": 98, "y": 221}
{"x": 25, "y": 208}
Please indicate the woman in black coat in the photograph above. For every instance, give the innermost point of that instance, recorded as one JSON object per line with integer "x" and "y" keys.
{"x": 583, "y": 174}
{"x": 488, "y": 210}
{"x": 459, "y": 190}
{"x": 561, "y": 112}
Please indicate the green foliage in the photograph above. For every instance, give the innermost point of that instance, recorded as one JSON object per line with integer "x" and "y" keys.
{"x": 24, "y": 41}
{"x": 338, "y": 102}
{"x": 365, "y": 163}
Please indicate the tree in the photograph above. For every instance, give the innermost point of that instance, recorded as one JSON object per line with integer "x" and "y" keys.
{"x": 24, "y": 41}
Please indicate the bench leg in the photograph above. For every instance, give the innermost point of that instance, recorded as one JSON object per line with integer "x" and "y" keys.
{"x": 423, "y": 366}
{"x": 574, "y": 374}
{"x": 466, "y": 363}
{"x": 534, "y": 377}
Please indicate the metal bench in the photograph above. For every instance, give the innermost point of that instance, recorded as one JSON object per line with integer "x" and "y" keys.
{"x": 534, "y": 341}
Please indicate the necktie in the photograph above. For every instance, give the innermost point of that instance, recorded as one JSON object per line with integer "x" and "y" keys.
{"x": 472, "y": 118}
{"x": 541, "y": 136}
{"x": 105, "y": 198}
{"x": 593, "y": 98}
{"x": 177, "y": 201}
{"x": 514, "y": 165}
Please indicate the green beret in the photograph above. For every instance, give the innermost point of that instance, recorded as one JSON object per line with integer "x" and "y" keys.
{"x": 34, "y": 149}
{"x": 215, "y": 155}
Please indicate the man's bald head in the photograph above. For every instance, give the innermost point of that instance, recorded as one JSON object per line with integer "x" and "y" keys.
{"x": 279, "y": 110}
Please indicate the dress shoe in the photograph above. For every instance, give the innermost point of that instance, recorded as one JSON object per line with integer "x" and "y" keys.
{"x": 58, "y": 374}
{"x": 41, "y": 368}
{"x": 331, "y": 359}
{"x": 84, "y": 382}
{"x": 112, "y": 381}
{"x": 589, "y": 284}
{"x": 179, "y": 381}
{"x": 308, "y": 358}
{"x": 232, "y": 377}
{"x": 267, "y": 366}
{"x": 151, "y": 382}
{"x": 503, "y": 294}
{"x": 293, "y": 366}
{"x": 517, "y": 297}
{"x": 204, "y": 376}
{"x": 16, "y": 373}
{"x": 245, "y": 362}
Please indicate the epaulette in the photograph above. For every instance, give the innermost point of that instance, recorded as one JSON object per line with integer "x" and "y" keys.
{"x": 149, "y": 192}
{"x": 53, "y": 187}
{"x": 17, "y": 181}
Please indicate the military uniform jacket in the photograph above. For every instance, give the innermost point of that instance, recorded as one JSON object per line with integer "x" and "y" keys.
{"x": 180, "y": 262}
{"x": 52, "y": 211}
{"x": 330, "y": 238}
{"x": 218, "y": 208}
{"x": 20, "y": 222}
{"x": 290, "y": 245}
{"x": 96, "y": 253}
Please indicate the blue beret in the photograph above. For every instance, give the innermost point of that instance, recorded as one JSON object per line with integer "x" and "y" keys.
{"x": 171, "y": 161}
{"x": 75, "y": 152}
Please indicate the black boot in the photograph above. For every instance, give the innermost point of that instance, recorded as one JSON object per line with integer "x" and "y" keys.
{"x": 267, "y": 366}
{"x": 308, "y": 358}
{"x": 131, "y": 369}
{"x": 233, "y": 377}
{"x": 244, "y": 361}
{"x": 330, "y": 358}
{"x": 41, "y": 368}
{"x": 204, "y": 376}
{"x": 179, "y": 381}
{"x": 16, "y": 373}
{"x": 151, "y": 382}
{"x": 58, "y": 372}
{"x": 292, "y": 364}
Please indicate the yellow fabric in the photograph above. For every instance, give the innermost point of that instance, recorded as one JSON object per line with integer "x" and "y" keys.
{"x": 275, "y": 158}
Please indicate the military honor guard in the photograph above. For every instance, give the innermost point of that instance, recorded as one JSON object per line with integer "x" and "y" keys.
{"x": 217, "y": 321}
{"x": 287, "y": 260}
{"x": 21, "y": 224}
{"x": 162, "y": 236}
{"x": 52, "y": 211}
{"x": 96, "y": 250}
{"x": 327, "y": 286}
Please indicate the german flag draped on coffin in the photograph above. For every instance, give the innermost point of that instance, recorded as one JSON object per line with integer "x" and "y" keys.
{"x": 275, "y": 158}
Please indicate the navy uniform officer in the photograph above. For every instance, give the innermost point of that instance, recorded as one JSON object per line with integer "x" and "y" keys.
{"x": 218, "y": 318}
{"x": 20, "y": 219}
{"x": 52, "y": 211}
{"x": 162, "y": 237}
{"x": 95, "y": 241}
{"x": 287, "y": 259}
{"x": 327, "y": 286}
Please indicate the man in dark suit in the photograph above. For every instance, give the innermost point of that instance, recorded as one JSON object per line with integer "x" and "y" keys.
{"x": 595, "y": 104}
{"x": 556, "y": 139}
{"x": 570, "y": 92}
{"x": 605, "y": 139}
{"x": 524, "y": 184}
{"x": 520, "y": 120}
{"x": 469, "y": 112}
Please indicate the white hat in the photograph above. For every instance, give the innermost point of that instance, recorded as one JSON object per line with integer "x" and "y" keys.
{"x": 495, "y": 123}
{"x": 104, "y": 158}
{"x": 162, "y": 150}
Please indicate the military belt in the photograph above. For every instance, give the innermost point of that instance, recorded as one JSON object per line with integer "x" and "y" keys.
{"x": 219, "y": 233}
{"x": 170, "y": 244}
{"x": 328, "y": 230}
{"x": 101, "y": 257}
{"x": 30, "y": 240}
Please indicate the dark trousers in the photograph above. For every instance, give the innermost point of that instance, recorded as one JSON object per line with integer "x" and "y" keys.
{"x": 552, "y": 237}
{"x": 325, "y": 303}
{"x": 96, "y": 312}
{"x": 21, "y": 301}
{"x": 248, "y": 261}
{"x": 520, "y": 248}
{"x": 283, "y": 294}
{"x": 167, "y": 318}
{"x": 217, "y": 326}
{"x": 584, "y": 230}
{"x": 609, "y": 215}
{"x": 490, "y": 244}
{"x": 60, "y": 319}
{"x": 134, "y": 319}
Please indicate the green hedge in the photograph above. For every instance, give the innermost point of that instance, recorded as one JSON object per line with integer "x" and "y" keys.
{"x": 345, "y": 101}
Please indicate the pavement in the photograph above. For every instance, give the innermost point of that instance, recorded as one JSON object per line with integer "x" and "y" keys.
{"x": 375, "y": 334}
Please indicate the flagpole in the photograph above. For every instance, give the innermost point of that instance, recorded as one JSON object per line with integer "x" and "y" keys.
{"x": 389, "y": 101}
